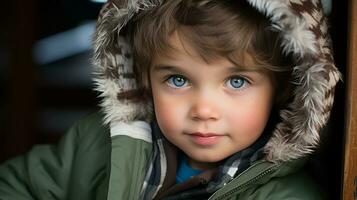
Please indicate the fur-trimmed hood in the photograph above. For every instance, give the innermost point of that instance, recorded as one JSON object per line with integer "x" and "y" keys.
{"x": 303, "y": 28}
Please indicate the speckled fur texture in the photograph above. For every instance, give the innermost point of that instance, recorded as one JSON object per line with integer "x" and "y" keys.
{"x": 302, "y": 26}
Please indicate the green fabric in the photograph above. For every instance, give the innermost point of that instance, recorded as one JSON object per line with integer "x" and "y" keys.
{"x": 265, "y": 180}
{"x": 72, "y": 169}
{"x": 127, "y": 179}
{"x": 88, "y": 164}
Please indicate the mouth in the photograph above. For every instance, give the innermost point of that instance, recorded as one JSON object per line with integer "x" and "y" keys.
{"x": 205, "y": 139}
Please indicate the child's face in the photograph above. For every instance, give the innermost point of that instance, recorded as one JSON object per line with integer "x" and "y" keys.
{"x": 209, "y": 111}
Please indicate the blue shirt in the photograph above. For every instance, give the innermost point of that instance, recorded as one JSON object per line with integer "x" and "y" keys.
{"x": 185, "y": 171}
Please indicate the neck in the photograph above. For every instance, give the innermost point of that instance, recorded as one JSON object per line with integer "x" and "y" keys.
{"x": 202, "y": 165}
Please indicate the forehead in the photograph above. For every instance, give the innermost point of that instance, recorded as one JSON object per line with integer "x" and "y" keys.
{"x": 180, "y": 50}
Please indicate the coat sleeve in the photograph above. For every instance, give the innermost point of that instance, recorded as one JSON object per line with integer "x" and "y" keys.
{"x": 46, "y": 171}
{"x": 297, "y": 186}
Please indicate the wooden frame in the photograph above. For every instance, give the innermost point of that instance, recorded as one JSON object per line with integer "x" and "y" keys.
{"x": 350, "y": 163}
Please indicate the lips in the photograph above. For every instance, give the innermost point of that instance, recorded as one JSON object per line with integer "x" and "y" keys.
{"x": 205, "y": 139}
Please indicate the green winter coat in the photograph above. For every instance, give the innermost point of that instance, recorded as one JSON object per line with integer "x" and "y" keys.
{"x": 88, "y": 164}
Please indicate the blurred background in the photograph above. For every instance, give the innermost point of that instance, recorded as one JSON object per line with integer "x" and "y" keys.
{"x": 45, "y": 78}
{"x": 45, "y": 70}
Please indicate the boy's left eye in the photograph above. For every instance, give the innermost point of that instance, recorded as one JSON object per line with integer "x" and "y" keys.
{"x": 236, "y": 82}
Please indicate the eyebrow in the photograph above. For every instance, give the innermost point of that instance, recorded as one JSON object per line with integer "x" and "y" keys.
{"x": 237, "y": 69}
{"x": 166, "y": 68}
{"x": 232, "y": 69}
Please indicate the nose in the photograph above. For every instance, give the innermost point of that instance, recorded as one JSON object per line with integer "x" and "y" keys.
{"x": 204, "y": 107}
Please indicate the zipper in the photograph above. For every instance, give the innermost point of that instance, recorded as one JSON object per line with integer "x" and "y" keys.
{"x": 254, "y": 179}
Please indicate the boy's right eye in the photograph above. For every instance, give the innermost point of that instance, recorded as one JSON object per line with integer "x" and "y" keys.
{"x": 176, "y": 81}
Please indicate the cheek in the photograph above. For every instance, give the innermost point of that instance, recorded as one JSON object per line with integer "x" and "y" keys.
{"x": 250, "y": 119}
{"x": 169, "y": 113}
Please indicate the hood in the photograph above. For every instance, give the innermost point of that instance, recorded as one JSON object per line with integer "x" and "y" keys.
{"x": 303, "y": 27}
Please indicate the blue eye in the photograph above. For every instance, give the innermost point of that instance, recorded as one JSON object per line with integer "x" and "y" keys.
{"x": 177, "y": 81}
{"x": 236, "y": 82}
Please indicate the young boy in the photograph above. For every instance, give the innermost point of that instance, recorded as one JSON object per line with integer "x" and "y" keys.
{"x": 202, "y": 99}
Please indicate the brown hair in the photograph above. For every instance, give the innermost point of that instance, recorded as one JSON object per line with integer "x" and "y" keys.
{"x": 215, "y": 29}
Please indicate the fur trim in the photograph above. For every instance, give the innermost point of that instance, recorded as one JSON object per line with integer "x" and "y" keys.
{"x": 303, "y": 29}
{"x": 114, "y": 72}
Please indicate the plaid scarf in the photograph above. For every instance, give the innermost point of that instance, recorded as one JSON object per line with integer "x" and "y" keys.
{"x": 232, "y": 166}
{"x": 158, "y": 166}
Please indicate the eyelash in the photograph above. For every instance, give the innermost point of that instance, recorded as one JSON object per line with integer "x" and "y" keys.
{"x": 244, "y": 84}
{"x": 167, "y": 79}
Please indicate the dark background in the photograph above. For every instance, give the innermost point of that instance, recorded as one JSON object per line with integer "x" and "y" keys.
{"x": 41, "y": 97}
